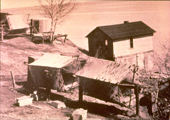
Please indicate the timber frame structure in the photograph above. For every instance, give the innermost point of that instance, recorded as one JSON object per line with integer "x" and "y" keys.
{"x": 131, "y": 86}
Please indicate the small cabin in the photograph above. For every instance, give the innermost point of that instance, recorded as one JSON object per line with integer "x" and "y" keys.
{"x": 122, "y": 41}
{"x": 41, "y": 25}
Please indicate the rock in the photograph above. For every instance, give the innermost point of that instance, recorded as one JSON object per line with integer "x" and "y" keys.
{"x": 93, "y": 119}
{"x": 24, "y": 100}
{"x": 79, "y": 114}
{"x": 63, "y": 118}
{"x": 121, "y": 117}
{"x": 130, "y": 113}
{"x": 144, "y": 115}
{"x": 58, "y": 104}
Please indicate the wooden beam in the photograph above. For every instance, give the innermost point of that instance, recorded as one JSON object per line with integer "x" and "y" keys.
{"x": 136, "y": 87}
{"x": 29, "y": 83}
{"x": 80, "y": 90}
{"x": 134, "y": 72}
{"x": 31, "y": 31}
{"x": 13, "y": 79}
{"x": 2, "y": 33}
{"x": 137, "y": 99}
{"x": 127, "y": 85}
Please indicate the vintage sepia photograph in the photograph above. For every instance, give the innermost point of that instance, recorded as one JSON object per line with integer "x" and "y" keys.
{"x": 84, "y": 60}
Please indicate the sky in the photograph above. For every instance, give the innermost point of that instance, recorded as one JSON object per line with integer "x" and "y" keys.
{"x": 5, "y": 4}
{"x": 17, "y": 3}
{"x": 87, "y": 16}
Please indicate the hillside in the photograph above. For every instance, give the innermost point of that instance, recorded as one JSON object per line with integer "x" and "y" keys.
{"x": 14, "y": 57}
{"x": 88, "y": 15}
{"x": 15, "y": 53}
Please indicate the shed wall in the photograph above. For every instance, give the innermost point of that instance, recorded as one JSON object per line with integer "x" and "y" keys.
{"x": 98, "y": 38}
{"x": 16, "y": 22}
{"x": 144, "y": 60}
{"x": 44, "y": 25}
{"x": 109, "y": 92}
{"x": 143, "y": 44}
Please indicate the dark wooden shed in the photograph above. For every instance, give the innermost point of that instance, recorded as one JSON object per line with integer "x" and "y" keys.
{"x": 104, "y": 36}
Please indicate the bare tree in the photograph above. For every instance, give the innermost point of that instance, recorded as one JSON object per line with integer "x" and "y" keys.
{"x": 162, "y": 60}
{"x": 56, "y": 10}
{"x": 158, "y": 83}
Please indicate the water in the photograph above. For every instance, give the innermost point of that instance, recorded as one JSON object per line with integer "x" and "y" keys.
{"x": 89, "y": 15}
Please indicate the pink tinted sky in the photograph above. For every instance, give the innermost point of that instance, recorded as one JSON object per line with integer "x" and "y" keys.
{"x": 24, "y": 3}
{"x": 17, "y": 3}
{"x": 88, "y": 16}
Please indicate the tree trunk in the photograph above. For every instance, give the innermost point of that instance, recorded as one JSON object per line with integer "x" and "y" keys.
{"x": 2, "y": 33}
{"x": 55, "y": 23}
{"x": 51, "y": 31}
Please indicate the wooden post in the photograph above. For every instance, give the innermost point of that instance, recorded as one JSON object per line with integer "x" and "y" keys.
{"x": 31, "y": 27}
{"x": 13, "y": 79}
{"x": 2, "y": 33}
{"x": 65, "y": 38}
{"x": 137, "y": 62}
{"x": 29, "y": 83}
{"x": 80, "y": 90}
{"x": 134, "y": 72}
{"x": 137, "y": 99}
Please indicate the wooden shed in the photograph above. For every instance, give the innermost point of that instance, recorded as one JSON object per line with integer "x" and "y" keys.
{"x": 13, "y": 24}
{"x": 41, "y": 24}
{"x": 100, "y": 78}
{"x": 17, "y": 22}
{"x": 115, "y": 41}
{"x": 104, "y": 79}
{"x": 58, "y": 65}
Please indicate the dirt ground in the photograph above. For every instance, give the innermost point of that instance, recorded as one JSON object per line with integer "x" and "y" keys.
{"x": 97, "y": 109}
{"x": 14, "y": 56}
{"x": 15, "y": 51}
{"x": 38, "y": 110}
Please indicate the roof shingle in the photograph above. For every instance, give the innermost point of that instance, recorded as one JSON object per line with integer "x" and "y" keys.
{"x": 126, "y": 30}
{"x": 105, "y": 70}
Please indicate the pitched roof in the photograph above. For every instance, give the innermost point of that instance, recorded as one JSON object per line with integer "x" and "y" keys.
{"x": 53, "y": 60}
{"x": 125, "y": 30}
{"x": 105, "y": 70}
{"x": 17, "y": 22}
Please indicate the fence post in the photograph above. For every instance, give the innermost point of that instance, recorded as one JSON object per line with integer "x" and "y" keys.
{"x": 80, "y": 90}
{"x": 13, "y": 79}
{"x": 134, "y": 72}
{"x": 137, "y": 99}
{"x": 31, "y": 27}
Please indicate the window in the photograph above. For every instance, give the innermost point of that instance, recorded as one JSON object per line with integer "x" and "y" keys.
{"x": 106, "y": 42}
{"x": 131, "y": 42}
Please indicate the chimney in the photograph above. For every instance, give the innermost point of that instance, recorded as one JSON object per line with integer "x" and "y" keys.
{"x": 125, "y": 22}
